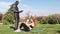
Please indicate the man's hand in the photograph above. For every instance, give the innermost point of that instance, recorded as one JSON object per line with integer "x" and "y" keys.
{"x": 21, "y": 11}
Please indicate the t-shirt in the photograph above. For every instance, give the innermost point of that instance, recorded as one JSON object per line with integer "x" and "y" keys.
{"x": 29, "y": 24}
{"x": 15, "y": 8}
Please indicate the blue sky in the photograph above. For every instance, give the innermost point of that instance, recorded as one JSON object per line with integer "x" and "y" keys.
{"x": 36, "y": 7}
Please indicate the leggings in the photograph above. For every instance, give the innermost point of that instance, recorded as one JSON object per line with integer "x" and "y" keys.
{"x": 25, "y": 27}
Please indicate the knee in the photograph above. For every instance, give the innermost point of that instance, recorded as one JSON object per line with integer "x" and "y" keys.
{"x": 22, "y": 24}
{"x": 31, "y": 26}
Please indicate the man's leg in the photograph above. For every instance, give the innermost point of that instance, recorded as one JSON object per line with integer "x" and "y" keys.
{"x": 16, "y": 24}
{"x": 16, "y": 21}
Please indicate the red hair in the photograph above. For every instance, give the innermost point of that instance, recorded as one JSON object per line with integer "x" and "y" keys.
{"x": 34, "y": 21}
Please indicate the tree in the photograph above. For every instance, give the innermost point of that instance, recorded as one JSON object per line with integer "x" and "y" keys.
{"x": 8, "y": 18}
{"x": 1, "y": 17}
{"x": 52, "y": 21}
{"x": 42, "y": 20}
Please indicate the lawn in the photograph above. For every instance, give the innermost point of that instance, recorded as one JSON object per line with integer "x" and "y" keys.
{"x": 46, "y": 29}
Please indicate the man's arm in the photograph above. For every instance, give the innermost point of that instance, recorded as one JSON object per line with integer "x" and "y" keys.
{"x": 21, "y": 11}
{"x": 16, "y": 10}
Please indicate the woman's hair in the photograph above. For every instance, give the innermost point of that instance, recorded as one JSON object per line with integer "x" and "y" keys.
{"x": 34, "y": 20}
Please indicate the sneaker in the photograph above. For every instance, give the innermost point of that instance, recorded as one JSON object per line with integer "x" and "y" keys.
{"x": 18, "y": 30}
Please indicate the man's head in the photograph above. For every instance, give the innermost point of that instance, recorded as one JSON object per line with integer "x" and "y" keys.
{"x": 17, "y": 2}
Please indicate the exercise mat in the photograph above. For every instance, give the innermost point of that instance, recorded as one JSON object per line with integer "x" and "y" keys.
{"x": 32, "y": 31}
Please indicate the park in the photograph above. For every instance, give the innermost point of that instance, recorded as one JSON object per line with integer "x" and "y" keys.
{"x": 12, "y": 23}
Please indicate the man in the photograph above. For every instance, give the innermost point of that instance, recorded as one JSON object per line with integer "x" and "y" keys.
{"x": 16, "y": 14}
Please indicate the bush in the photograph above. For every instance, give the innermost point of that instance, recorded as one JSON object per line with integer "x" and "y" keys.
{"x": 52, "y": 21}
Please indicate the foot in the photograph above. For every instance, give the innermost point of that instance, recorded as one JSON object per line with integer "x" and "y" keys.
{"x": 18, "y": 30}
{"x": 12, "y": 27}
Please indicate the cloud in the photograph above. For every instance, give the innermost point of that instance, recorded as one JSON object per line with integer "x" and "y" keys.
{"x": 37, "y": 12}
{"x": 4, "y": 6}
{"x": 34, "y": 11}
{"x": 26, "y": 8}
{"x": 46, "y": 12}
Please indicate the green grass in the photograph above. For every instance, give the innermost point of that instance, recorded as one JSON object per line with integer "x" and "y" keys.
{"x": 47, "y": 29}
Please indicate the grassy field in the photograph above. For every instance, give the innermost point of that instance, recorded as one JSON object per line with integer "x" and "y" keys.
{"x": 47, "y": 29}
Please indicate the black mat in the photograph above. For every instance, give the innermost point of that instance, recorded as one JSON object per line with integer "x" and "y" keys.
{"x": 33, "y": 31}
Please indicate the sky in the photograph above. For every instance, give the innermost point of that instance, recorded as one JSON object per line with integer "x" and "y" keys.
{"x": 35, "y": 7}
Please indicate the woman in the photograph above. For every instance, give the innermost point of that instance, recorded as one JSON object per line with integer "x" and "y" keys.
{"x": 30, "y": 23}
